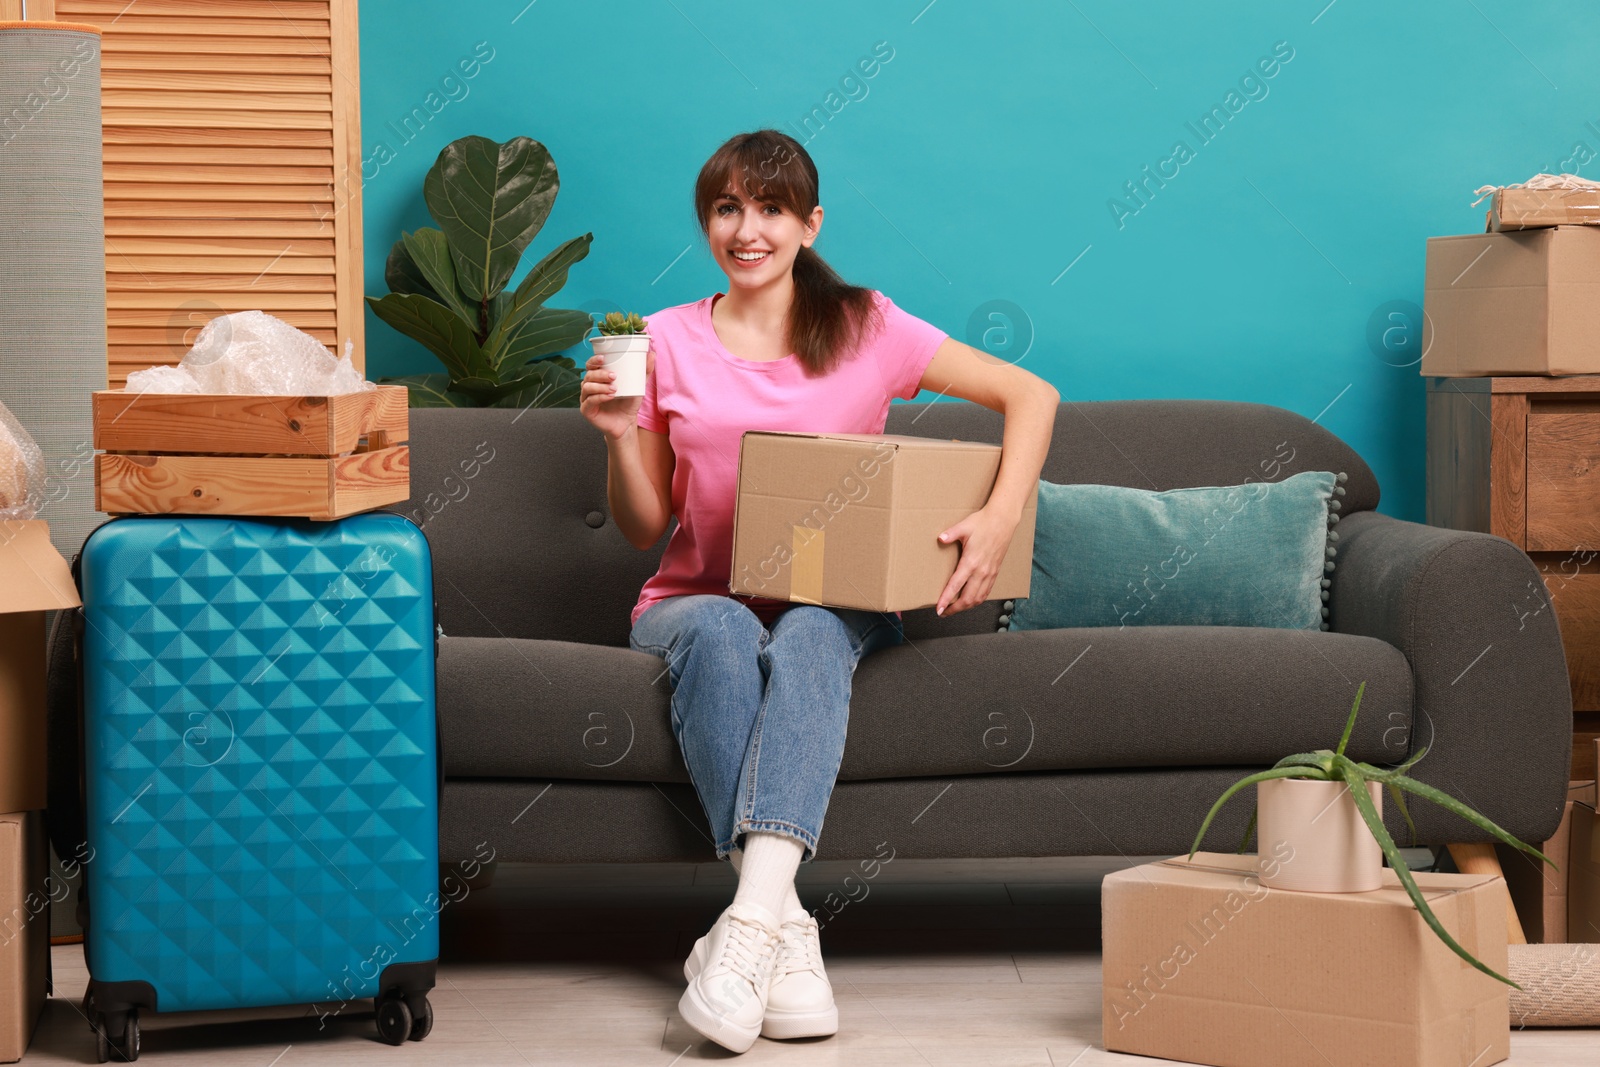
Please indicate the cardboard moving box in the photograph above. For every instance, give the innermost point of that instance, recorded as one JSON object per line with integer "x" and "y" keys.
{"x": 852, "y": 520}
{"x": 1538, "y": 891}
{"x": 24, "y": 929}
{"x": 1202, "y": 963}
{"x": 33, "y": 579}
{"x": 1512, "y": 303}
{"x": 1523, "y": 209}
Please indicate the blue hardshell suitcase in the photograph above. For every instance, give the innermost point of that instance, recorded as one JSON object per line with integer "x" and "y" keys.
{"x": 260, "y": 768}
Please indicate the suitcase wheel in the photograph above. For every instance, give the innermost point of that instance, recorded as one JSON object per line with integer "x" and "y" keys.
{"x": 394, "y": 1019}
{"x": 421, "y": 1017}
{"x": 125, "y": 1045}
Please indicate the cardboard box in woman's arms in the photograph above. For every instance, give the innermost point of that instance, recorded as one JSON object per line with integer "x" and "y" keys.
{"x": 852, "y": 520}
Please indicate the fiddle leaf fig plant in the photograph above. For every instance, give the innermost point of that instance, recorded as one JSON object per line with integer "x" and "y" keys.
{"x": 1334, "y": 766}
{"x": 447, "y": 286}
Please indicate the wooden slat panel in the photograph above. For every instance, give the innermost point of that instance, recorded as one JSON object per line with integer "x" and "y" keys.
{"x": 122, "y": 155}
{"x": 239, "y": 9}
{"x": 138, "y": 19}
{"x": 315, "y": 192}
{"x": 228, "y": 301}
{"x": 217, "y": 229}
{"x": 112, "y": 116}
{"x": 217, "y": 82}
{"x": 221, "y": 209}
{"x": 168, "y": 44}
{"x": 165, "y": 317}
{"x": 253, "y": 138}
{"x": 266, "y": 282}
{"x": 127, "y": 175}
{"x": 128, "y": 340}
{"x": 11, "y": 10}
{"x": 178, "y": 269}
{"x": 345, "y": 39}
{"x": 236, "y": 99}
{"x": 126, "y": 358}
{"x": 134, "y": 247}
{"x": 232, "y": 169}
{"x": 204, "y": 62}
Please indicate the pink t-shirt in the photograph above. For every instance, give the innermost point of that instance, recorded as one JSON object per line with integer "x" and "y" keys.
{"x": 704, "y": 397}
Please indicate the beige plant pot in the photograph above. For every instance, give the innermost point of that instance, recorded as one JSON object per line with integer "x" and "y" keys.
{"x": 1311, "y": 837}
{"x": 627, "y": 356}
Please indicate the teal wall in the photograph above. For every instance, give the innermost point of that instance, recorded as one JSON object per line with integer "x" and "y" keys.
{"x": 985, "y": 156}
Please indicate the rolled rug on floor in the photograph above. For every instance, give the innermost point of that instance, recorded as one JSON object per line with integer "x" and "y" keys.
{"x": 1560, "y": 985}
{"x": 52, "y": 257}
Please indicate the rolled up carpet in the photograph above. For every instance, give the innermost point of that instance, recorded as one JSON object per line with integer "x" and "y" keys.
{"x": 52, "y": 257}
{"x": 1560, "y": 985}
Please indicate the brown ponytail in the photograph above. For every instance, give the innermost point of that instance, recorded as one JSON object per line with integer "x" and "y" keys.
{"x": 828, "y": 316}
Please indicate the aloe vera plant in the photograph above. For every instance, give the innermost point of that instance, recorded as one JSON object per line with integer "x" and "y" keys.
{"x": 1325, "y": 766}
{"x": 616, "y": 324}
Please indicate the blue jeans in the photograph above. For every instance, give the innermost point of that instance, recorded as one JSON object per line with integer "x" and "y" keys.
{"x": 760, "y": 715}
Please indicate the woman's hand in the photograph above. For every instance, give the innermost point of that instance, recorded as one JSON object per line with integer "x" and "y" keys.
{"x": 984, "y": 535}
{"x": 611, "y": 415}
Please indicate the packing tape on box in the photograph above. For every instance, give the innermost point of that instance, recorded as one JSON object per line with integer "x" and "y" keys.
{"x": 805, "y": 569}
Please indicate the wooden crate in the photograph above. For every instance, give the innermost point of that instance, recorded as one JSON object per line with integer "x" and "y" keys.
{"x": 315, "y": 457}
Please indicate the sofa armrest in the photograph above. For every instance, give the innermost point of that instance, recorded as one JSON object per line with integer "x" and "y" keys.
{"x": 1470, "y": 613}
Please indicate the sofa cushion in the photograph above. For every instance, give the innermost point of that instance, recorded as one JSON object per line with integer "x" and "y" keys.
{"x": 1035, "y": 700}
{"x": 1236, "y": 555}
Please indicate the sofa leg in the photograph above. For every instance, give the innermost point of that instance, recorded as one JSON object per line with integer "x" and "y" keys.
{"x": 1479, "y": 858}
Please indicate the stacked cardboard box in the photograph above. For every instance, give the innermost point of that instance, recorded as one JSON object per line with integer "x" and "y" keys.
{"x": 1525, "y": 209}
{"x": 1519, "y": 303}
{"x": 34, "y": 579}
{"x": 1202, "y": 963}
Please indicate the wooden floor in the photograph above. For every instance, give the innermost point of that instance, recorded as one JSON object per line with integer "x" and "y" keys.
{"x": 936, "y": 962}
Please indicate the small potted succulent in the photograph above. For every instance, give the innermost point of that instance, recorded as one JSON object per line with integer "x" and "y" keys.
{"x": 1347, "y": 791}
{"x": 624, "y": 344}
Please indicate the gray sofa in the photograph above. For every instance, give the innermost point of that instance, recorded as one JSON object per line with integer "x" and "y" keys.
{"x": 968, "y": 741}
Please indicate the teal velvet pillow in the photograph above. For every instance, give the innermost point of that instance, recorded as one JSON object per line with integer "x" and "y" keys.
{"x": 1240, "y": 555}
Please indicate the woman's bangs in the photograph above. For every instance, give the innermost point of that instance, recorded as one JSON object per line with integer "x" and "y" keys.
{"x": 755, "y": 168}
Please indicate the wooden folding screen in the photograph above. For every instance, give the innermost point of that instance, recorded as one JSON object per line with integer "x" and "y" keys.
{"x": 232, "y": 167}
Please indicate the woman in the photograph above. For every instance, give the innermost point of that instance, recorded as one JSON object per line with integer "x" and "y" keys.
{"x": 761, "y": 688}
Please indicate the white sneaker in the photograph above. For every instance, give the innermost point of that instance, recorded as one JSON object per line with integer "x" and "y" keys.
{"x": 800, "y": 998}
{"x": 800, "y": 1001}
{"x": 727, "y": 995}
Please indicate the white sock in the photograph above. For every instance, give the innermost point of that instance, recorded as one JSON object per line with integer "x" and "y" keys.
{"x": 766, "y": 868}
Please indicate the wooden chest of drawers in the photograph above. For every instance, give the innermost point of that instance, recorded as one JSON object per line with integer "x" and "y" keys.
{"x": 1520, "y": 458}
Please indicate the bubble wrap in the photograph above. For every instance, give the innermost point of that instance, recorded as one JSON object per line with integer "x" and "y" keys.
{"x": 21, "y": 470}
{"x": 253, "y": 352}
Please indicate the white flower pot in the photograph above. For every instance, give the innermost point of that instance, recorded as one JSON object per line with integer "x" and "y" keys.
{"x": 1311, "y": 837}
{"x": 625, "y": 355}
